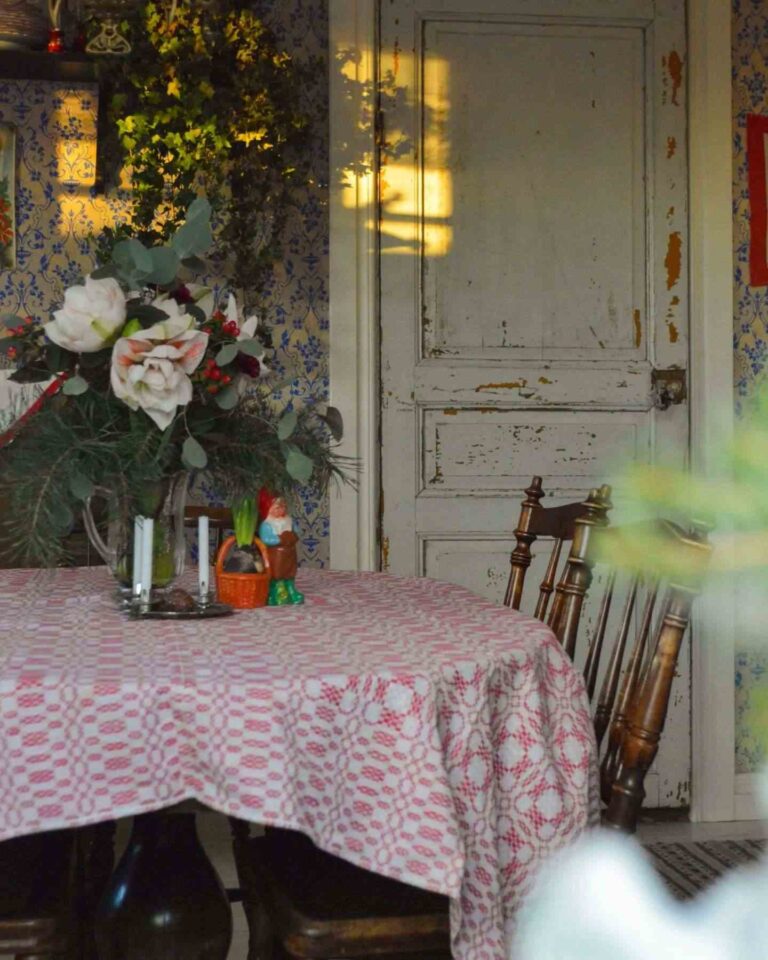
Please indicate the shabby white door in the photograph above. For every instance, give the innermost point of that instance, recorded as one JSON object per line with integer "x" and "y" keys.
{"x": 532, "y": 272}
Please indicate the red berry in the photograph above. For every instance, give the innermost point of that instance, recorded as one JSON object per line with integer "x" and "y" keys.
{"x": 216, "y": 374}
{"x": 226, "y": 379}
{"x": 11, "y": 353}
{"x": 213, "y": 388}
{"x": 208, "y": 330}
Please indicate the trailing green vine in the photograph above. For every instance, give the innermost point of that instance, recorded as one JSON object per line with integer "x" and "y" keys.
{"x": 208, "y": 102}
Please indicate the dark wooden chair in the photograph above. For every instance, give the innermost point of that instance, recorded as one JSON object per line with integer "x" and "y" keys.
{"x": 631, "y": 706}
{"x": 304, "y": 904}
{"x": 38, "y": 916}
{"x": 557, "y": 523}
{"x": 49, "y": 886}
{"x": 50, "y": 882}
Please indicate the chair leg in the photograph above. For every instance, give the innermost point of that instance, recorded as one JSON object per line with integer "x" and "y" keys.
{"x": 261, "y": 944}
{"x": 646, "y": 717}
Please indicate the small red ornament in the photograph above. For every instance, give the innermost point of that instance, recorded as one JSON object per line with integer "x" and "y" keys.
{"x": 55, "y": 43}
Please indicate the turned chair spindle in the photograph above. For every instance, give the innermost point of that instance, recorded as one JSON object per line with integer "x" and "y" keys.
{"x": 559, "y": 524}
{"x": 632, "y": 704}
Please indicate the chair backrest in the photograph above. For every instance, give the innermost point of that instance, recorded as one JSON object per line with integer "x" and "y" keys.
{"x": 631, "y": 705}
{"x": 559, "y": 523}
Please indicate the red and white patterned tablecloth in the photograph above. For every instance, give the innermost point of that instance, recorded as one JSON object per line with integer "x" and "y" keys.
{"x": 404, "y": 724}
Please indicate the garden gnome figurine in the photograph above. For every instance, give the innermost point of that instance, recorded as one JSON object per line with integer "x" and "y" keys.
{"x": 276, "y": 532}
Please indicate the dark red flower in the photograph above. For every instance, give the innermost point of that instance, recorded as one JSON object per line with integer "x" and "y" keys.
{"x": 248, "y": 365}
{"x": 182, "y": 295}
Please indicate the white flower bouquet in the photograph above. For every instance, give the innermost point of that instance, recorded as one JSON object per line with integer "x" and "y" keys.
{"x": 148, "y": 379}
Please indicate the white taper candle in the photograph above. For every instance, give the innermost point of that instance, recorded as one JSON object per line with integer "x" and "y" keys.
{"x": 138, "y": 531}
{"x": 203, "y": 564}
{"x": 146, "y": 560}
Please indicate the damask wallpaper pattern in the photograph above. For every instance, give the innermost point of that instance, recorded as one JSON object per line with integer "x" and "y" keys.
{"x": 750, "y": 334}
{"x": 58, "y": 210}
{"x": 56, "y": 148}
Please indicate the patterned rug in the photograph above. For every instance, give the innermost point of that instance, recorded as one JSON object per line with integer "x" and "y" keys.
{"x": 689, "y": 867}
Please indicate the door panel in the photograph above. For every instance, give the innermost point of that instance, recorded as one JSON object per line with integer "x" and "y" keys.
{"x": 532, "y": 270}
{"x": 525, "y": 172}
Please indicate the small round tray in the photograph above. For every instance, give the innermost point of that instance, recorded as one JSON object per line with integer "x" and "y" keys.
{"x": 199, "y": 613}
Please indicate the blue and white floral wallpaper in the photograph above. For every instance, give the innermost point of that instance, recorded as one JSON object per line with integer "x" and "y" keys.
{"x": 750, "y": 334}
{"x": 58, "y": 210}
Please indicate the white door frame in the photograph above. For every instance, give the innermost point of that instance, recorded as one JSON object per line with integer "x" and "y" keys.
{"x": 354, "y": 339}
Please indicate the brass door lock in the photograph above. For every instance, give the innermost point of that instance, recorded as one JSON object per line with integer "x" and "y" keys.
{"x": 668, "y": 387}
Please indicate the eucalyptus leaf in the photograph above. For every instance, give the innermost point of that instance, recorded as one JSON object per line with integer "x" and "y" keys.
{"x": 165, "y": 265}
{"x": 75, "y": 386}
{"x": 227, "y": 354}
{"x": 61, "y": 516}
{"x": 192, "y": 238}
{"x": 227, "y": 398}
{"x": 10, "y": 320}
{"x": 287, "y": 424}
{"x": 31, "y": 374}
{"x": 334, "y": 421}
{"x": 145, "y": 313}
{"x": 200, "y": 208}
{"x": 54, "y": 357}
{"x": 132, "y": 257}
{"x": 94, "y": 360}
{"x": 108, "y": 270}
{"x": 253, "y": 347}
{"x": 197, "y": 313}
{"x": 81, "y": 486}
{"x": 196, "y": 264}
{"x": 299, "y": 466}
{"x": 193, "y": 454}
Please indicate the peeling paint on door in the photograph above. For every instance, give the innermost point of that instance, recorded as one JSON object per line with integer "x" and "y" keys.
{"x": 674, "y": 335}
{"x": 510, "y": 385}
{"x": 674, "y": 258}
{"x": 638, "y": 328}
{"x": 671, "y": 147}
{"x": 675, "y": 68}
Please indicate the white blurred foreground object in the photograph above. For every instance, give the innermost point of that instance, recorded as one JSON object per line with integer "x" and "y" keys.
{"x": 602, "y": 900}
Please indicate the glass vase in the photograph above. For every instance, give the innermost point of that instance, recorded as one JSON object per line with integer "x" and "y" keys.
{"x": 109, "y": 517}
{"x": 164, "y": 901}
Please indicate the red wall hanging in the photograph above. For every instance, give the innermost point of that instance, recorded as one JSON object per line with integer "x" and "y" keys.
{"x": 757, "y": 134}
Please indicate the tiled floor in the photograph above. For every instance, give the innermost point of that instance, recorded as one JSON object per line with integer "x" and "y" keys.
{"x": 214, "y": 833}
{"x": 650, "y": 832}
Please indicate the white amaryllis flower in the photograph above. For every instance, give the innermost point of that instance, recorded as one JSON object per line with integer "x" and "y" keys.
{"x": 247, "y": 326}
{"x": 91, "y": 317}
{"x": 150, "y": 369}
{"x": 201, "y": 296}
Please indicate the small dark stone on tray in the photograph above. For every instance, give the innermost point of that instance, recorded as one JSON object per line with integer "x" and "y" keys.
{"x": 177, "y": 600}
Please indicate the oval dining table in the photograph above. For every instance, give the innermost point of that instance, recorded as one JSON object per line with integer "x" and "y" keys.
{"x": 405, "y": 725}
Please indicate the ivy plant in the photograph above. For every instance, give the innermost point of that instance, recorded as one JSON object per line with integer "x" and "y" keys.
{"x": 208, "y": 102}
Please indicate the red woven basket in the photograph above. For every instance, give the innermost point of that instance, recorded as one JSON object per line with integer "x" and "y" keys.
{"x": 242, "y": 590}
